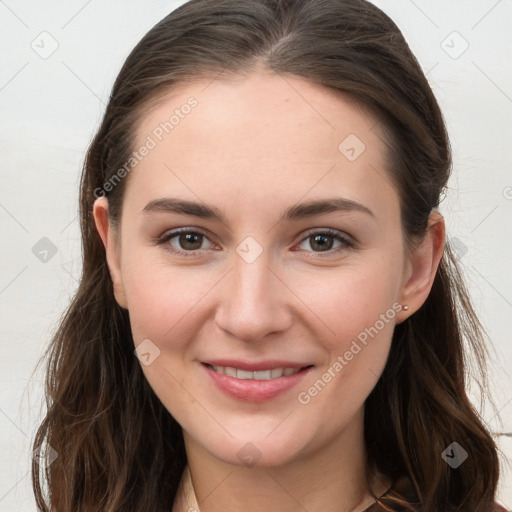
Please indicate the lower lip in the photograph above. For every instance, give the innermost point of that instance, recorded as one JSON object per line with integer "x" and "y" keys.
{"x": 254, "y": 390}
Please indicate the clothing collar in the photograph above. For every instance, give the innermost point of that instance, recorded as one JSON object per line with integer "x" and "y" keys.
{"x": 186, "y": 500}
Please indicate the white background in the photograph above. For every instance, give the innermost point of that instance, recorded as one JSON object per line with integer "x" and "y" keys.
{"x": 51, "y": 107}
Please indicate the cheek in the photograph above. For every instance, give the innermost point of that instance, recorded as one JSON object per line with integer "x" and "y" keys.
{"x": 358, "y": 309}
{"x": 161, "y": 298}
{"x": 357, "y": 356}
{"x": 348, "y": 300}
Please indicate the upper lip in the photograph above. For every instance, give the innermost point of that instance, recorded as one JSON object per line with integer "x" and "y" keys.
{"x": 254, "y": 366}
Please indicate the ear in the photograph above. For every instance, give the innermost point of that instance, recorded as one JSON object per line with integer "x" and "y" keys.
{"x": 422, "y": 264}
{"x": 112, "y": 249}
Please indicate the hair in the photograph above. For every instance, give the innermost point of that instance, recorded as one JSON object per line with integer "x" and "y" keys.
{"x": 118, "y": 448}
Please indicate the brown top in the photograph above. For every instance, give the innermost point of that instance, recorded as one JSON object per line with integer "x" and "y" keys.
{"x": 186, "y": 500}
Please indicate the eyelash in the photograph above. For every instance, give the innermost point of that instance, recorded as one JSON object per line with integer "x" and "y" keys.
{"x": 348, "y": 244}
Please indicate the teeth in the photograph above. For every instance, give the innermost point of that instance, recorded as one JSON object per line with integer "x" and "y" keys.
{"x": 230, "y": 371}
{"x": 259, "y": 375}
{"x": 263, "y": 374}
{"x": 242, "y": 374}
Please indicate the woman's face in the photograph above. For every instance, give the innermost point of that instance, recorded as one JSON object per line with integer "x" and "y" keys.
{"x": 260, "y": 278}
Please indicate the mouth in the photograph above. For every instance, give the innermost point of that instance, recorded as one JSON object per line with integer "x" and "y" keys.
{"x": 269, "y": 374}
{"x": 255, "y": 386}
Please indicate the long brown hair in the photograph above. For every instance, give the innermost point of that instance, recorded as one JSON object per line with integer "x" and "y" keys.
{"x": 118, "y": 447}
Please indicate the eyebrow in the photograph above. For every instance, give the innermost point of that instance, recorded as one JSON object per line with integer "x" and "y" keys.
{"x": 296, "y": 212}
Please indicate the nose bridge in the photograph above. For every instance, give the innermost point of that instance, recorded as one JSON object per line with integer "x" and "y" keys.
{"x": 253, "y": 301}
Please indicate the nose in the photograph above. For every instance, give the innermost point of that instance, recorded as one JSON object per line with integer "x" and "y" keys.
{"x": 253, "y": 301}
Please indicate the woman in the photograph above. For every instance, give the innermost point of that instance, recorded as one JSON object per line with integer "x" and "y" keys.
{"x": 269, "y": 316}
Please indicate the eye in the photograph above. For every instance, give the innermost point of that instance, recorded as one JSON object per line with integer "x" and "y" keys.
{"x": 324, "y": 240}
{"x": 185, "y": 241}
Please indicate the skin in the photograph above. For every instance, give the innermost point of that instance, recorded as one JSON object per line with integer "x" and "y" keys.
{"x": 252, "y": 147}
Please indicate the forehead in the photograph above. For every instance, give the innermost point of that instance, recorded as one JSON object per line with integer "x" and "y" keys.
{"x": 261, "y": 105}
{"x": 257, "y": 134}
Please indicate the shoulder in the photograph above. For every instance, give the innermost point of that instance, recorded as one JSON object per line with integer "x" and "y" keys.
{"x": 499, "y": 508}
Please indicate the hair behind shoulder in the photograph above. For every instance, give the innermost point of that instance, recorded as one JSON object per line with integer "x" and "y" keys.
{"x": 119, "y": 448}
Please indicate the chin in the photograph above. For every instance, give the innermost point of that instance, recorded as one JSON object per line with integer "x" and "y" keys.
{"x": 247, "y": 451}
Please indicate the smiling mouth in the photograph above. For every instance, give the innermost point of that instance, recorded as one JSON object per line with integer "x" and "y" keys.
{"x": 270, "y": 374}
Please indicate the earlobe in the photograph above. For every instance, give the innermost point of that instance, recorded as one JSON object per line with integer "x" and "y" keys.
{"x": 423, "y": 263}
{"x": 108, "y": 237}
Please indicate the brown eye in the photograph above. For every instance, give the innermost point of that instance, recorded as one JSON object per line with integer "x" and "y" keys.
{"x": 324, "y": 242}
{"x": 321, "y": 242}
{"x": 190, "y": 241}
{"x": 184, "y": 242}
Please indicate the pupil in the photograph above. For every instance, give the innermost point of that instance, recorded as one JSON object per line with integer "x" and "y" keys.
{"x": 322, "y": 246}
{"x": 188, "y": 238}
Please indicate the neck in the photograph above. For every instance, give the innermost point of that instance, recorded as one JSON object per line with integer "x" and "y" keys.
{"x": 331, "y": 478}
